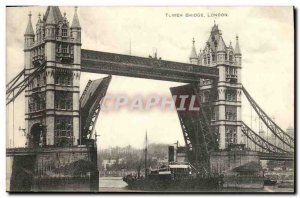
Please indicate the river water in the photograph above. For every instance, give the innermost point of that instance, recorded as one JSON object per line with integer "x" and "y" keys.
{"x": 116, "y": 184}
{"x": 113, "y": 184}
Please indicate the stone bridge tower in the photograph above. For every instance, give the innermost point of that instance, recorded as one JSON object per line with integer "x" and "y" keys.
{"x": 221, "y": 100}
{"x": 52, "y": 98}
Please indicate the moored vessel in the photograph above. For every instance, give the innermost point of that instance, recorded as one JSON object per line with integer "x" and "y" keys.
{"x": 174, "y": 177}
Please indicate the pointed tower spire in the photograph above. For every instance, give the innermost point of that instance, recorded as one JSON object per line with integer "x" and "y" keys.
{"x": 237, "y": 49}
{"x": 56, "y": 14}
{"x": 51, "y": 16}
{"x": 75, "y": 22}
{"x": 29, "y": 30}
{"x": 221, "y": 45}
{"x": 193, "y": 56}
{"x": 193, "y": 52}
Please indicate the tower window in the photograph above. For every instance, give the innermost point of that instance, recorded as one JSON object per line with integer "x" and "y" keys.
{"x": 68, "y": 80}
{"x": 64, "y": 48}
{"x": 64, "y": 32}
{"x": 44, "y": 80}
{"x": 56, "y": 79}
{"x": 38, "y": 81}
{"x": 213, "y": 57}
{"x": 231, "y": 95}
{"x": 37, "y": 102}
{"x": 63, "y": 131}
{"x": 230, "y": 135}
{"x": 230, "y": 113}
{"x": 58, "y": 48}
{"x": 63, "y": 100}
{"x": 71, "y": 50}
{"x": 62, "y": 78}
{"x": 214, "y": 115}
{"x": 205, "y": 96}
{"x": 231, "y": 74}
{"x": 30, "y": 108}
{"x": 231, "y": 116}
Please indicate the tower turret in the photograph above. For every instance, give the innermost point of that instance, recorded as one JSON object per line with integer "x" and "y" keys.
{"x": 226, "y": 98}
{"x": 221, "y": 50}
{"x": 39, "y": 26}
{"x": 193, "y": 56}
{"x": 237, "y": 53}
{"x": 75, "y": 22}
{"x": 200, "y": 57}
{"x": 28, "y": 43}
{"x": 76, "y": 28}
{"x": 29, "y": 34}
{"x": 50, "y": 25}
{"x": 76, "y": 38}
{"x": 56, "y": 48}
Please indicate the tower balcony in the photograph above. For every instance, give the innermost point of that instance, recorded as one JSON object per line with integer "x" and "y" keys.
{"x": 65, "y": 57}
{"x": 231, "y": 78}
{"x": 64, "y": 38}
{"x": 38, "y": 59}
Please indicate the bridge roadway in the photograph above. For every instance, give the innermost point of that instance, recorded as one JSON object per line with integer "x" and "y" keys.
{"x": 10, "y": 152}
{"x": 140, "y": 67}
{"x": 276, "y": 156}
{"x": 23, "y": 151}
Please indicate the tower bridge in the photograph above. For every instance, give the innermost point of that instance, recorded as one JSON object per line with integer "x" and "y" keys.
{"x": 140, "y": 67}
{"x": 59, "y": 120}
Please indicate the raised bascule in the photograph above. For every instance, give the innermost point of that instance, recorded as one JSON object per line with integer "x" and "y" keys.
{"x": 60, "y": 123}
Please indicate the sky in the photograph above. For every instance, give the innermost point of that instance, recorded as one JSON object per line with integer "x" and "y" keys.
{"x": 266, "y": 36}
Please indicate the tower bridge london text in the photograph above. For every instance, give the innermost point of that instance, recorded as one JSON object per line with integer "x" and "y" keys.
{"x": 196, "y": 15}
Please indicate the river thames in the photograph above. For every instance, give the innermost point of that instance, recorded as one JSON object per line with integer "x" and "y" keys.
{"x": 116, "y": 184}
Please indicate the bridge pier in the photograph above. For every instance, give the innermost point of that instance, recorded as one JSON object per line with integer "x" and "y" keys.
{"x": 241, "y": 168}
{"x": 22, "y": 177}
{"x": 54, "y": 169}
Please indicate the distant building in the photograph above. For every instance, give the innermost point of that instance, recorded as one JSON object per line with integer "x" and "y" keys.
{"x": 108, "y": 163}
{"x": 161, "y": 162}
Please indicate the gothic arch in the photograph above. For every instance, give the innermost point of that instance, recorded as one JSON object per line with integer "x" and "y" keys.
{"x": 36, "y": 132}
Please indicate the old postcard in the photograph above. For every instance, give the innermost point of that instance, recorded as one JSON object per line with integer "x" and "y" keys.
{"x": 150, "y": 99}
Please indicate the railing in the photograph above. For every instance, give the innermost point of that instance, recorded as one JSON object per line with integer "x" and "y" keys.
{"x": 65, "y": 57}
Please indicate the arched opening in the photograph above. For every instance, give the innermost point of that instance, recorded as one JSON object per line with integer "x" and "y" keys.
{"x": 35, "y": 136}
